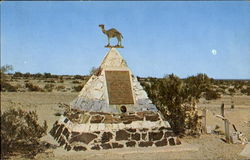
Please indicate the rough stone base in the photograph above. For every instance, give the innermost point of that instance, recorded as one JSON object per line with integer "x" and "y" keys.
{"x": 96, "y": 135}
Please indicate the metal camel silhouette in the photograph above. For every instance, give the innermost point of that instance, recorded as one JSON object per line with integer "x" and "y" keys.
{"x": 112, "y": 33}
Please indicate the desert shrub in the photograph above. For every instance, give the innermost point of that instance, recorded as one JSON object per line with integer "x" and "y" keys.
{"x": 38, "y": 75}
{"x": 60, "y": 88}
{"x": 79, "y": 77}
{"x": 77, "y": 88}
{"x": 20, "y": 131}
{"x": 32, "y": 87}
{"x": 245, "y": 91}
{"x": 75, "y": 82}
{"x": 60, "y": 79}
{"x": 177, "y": 102}
{"x": 57, "y": 114}
{"x": 50, "y": 81}
{"x": 198, "y": 84}
{"x": 26, "y": 75}
{"x": 223, "y": 87}
{"x": 17, "y": 74}
{"x": 8, "y": 87}
{"x": 211, "y": 94}
{"x": 239, "y": 85}
{"x": 231, "y": 91}
{"x": 49, "y": 87}
{"x": 47, "y": 75}
{"x": 220, "y": 91}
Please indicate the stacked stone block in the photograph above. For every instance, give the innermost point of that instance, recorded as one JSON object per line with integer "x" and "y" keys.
{"x": 82, "y": 131}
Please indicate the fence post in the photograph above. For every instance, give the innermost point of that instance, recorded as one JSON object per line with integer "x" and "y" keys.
{"x": 204, "y": 120}
{"x": 227, "y": 130}
{"x": 222, "y": 109}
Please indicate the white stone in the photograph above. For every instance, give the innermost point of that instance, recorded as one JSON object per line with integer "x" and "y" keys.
{"x": 113, "y": 59}
{"x": 135, "y": 124}
{"x": 167, "y": 124}
{"x": 95, "y": 94}
{"x": 93, "y": 127}
{"x": 148, "y": 124}
{"x": 121, "y": 126}
{"x": 115, "y": 126}
{"x": 101, "y": 127}
{"x": 128, "y": 125}
{"x": 98, "y": 86}
{"x": 246, "y": 151}
{"x": 61, "y": 119}
{"x": 108, "y": 126}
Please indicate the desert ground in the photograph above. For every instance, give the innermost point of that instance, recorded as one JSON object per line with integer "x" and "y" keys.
{"x": 207, "y": 146}
{"x": 44, "y": 93}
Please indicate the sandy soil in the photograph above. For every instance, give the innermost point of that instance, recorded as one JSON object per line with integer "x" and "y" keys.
{"x": 205, "y": 147}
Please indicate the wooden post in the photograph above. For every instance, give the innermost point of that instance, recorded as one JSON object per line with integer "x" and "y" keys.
{"x": 204, "y": 121}
{"x": 232, "y": 104}
{"x": 227, "y": 130}
{"x": 222, "y": 109}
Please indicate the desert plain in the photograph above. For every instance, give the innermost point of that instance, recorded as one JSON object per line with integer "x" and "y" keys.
{"x": 207, "y": 146}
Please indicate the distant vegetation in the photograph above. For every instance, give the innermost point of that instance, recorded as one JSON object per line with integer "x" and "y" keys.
{"x": 46, "y": 82}
{"x": 40, "y": 83}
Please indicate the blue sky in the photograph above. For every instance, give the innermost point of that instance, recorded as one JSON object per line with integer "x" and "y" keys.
{"x": 159, "y": 37}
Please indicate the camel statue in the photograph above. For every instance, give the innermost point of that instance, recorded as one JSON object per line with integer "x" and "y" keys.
{"x": 111, "y": 33}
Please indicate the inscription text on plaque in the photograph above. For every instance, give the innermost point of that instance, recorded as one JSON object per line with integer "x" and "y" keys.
{"x": 119, "y": 87}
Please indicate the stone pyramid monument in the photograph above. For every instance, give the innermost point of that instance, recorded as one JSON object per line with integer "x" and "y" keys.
{"x": 114, "y": 86}
{"x": 112, "y": 111}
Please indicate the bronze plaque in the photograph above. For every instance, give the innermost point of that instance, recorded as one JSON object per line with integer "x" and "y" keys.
{"x": 119, "y": 87}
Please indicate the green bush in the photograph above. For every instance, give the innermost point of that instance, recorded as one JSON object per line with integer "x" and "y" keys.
{"x": 20, "y": 131}
{"x": 177, "y": 99}
{"x": 198, "y": 84}
{"x": 211, "y": 94}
